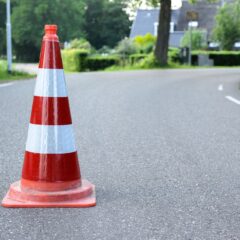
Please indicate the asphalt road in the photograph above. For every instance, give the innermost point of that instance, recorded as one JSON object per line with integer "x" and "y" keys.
{"x": 162, "y": 148}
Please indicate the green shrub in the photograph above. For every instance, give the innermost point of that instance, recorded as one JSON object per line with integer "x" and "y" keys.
{"x": 149, "y": 62}
{"x": 80, "y": 44}
{"x": 74, "y": 59}
{"x": 146, "y": 61}
{"x": 3, "y": 65}
{"x": 95, "y": 63}
{"x": 146, "y": 43}
{"x": 135, "y": 58}
{"x": 220, "y": 58}
{"x": 105, "y": 50}
{"x": 126, "y": 47}
{"x": 174, "y": 55}
{"x": 198, "y": 39}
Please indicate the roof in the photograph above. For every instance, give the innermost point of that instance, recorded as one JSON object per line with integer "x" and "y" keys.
{"x": 145, "y": 19}
{"x": 206, "y": 15}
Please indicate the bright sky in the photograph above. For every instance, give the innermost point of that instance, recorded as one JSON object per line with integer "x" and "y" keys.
{"x": 175, "y": 4}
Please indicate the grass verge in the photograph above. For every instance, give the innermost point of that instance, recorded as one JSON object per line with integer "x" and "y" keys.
{"x": 137, "y": 67}
{"x": 15, "y": 75}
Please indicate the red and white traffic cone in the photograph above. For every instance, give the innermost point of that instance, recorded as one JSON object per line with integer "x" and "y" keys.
{"x": 51, "y": 174}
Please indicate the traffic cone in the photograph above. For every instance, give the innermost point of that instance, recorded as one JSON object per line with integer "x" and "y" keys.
{"x": 51, "y": 173}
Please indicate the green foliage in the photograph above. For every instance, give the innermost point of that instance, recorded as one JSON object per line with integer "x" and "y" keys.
{"x": 135, "y": 58}
{"x": 105, "y": 50}
{"x": 227, "y": 30}
{"x": 198, "y": 39}
{"x": 102, "y": 22}
{"x": 138, "y": 45}
{"x": 15, "y": 75}
{"x": 145, "y": 44}
{"x": 223, "y": 52}
{"x": 149, "y": 62}
{"x": 80, "y": 44}
{"x": 74, "y": 59}
{"x": 95, "y": 63}
{"x": 126, "y": 47}
{"x": 174, "y": 55}
{"x": 77, "y": 60}
{"x": 106, "y": 22}
{"x": 220, "y": 58}
{"x": 29, "y": 18}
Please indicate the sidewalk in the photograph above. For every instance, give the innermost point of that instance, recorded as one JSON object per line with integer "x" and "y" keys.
{"x": 30, "y": 68}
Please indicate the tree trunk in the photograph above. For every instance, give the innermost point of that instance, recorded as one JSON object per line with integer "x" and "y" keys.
{"x": 161, "y": 50}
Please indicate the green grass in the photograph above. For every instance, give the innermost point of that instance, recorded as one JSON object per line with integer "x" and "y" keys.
{"x": 137, "y": 67}
{"x": 15, "y": 75}
{"x": 222, "y": 52}
{"x": 129, "y": 68}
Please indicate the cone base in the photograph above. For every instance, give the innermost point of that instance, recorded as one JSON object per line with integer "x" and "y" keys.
{"x": 80, "y": 197}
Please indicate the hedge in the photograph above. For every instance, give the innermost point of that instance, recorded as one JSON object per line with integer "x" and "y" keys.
{"x": 220, "y": 58}
{"x": 135, "y": 58}
{"x": 74, "y": 59}
{"x": 173, "y": 57}
{"x": 95, "y": 63}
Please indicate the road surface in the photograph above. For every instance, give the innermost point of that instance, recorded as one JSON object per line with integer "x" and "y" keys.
{"x": 162, "y": 148}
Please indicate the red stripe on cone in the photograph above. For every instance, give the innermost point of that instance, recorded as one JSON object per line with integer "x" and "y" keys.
{"x": 51, "y": 167}
{"x": 50, "y": 56}
{"x": 50, "y": 111}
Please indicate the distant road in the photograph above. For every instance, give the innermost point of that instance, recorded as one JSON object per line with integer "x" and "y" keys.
{"x": 162, "y": 148}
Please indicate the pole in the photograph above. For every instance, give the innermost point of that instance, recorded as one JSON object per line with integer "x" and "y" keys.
{"x": 9, "y": 37}
{"x": 190, "y": 44}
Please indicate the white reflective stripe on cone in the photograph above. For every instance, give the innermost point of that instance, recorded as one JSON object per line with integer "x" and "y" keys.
{"x": 50, "y": 83}
{"x": 50, "y": 139}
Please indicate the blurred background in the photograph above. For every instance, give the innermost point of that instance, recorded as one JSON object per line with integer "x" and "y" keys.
{"x": 120, "y": 34}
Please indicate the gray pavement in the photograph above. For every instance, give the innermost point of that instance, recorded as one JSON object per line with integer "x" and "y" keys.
{"x": 162, "y": 148}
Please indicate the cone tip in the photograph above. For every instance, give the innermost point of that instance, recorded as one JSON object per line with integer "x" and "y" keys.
{"x": 50, "y": 29}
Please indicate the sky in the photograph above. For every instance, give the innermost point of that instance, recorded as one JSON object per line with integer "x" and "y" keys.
{"x": 175, "y": 5}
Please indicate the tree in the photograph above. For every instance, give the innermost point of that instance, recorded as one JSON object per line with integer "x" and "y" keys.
{"x": 227, "y": 30}
{"x": 162, "y": 43}
{"x": 198, "y": 39}
{"x": 161, "y": 48}
{"x": 29, "y": 18}
{"x": 106, "y": 22}
{"x": 93, "y": 26}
